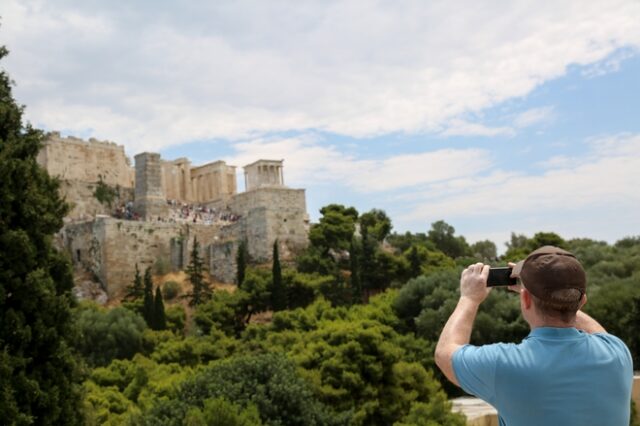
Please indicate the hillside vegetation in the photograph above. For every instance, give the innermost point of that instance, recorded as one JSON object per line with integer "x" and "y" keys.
{"x": 351, "y": 339}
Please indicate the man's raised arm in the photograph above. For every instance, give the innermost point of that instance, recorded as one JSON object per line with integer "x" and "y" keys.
{"x": 457, "y": 331}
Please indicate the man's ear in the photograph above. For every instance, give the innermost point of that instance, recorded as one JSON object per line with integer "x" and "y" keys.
{"x": 526, "y": 298}
{"x": 583, "y": 301}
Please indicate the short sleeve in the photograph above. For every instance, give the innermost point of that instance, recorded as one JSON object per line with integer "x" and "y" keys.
{"x": 619, "y": 348}
{"x": 475, "y": 368}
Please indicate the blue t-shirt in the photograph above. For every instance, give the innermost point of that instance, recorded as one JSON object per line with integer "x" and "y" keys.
{"x": 555, "y": 376}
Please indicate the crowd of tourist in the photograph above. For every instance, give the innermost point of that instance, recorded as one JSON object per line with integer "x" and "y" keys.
{"x": 181, "y": 213}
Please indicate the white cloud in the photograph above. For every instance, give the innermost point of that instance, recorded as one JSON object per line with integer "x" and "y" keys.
{"x": 309, "y": 162}
{"x": 610, "y": 65}
{"x": 459, "y": 127}
{"x": 151, "y": 76}
{"x": 607, "y": 176}
{"x": 534, "y": 116}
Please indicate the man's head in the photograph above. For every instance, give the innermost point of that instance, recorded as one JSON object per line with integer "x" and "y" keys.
{"x": 555, "y": 280}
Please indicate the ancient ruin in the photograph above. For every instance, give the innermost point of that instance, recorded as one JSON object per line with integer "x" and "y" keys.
{"x": 152, "y": 212}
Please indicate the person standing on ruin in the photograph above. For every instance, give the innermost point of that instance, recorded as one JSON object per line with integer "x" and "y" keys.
{"x": 567, "y": 371}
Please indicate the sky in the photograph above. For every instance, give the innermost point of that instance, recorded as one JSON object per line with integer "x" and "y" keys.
{"x": 497, "y": 117}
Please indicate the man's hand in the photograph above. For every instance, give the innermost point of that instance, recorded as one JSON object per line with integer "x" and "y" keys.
{"x": 473, "y": 283}
{"x": 457, "y": 330}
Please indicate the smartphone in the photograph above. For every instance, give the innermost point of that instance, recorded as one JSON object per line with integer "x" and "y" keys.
{"x": 500, "y": 276}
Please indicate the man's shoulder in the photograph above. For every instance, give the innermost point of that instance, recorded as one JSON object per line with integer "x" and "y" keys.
{"x": 612, "y": 343}
{"x": 493, "y": 352}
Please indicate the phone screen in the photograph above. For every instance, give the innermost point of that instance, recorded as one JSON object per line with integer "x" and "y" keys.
{"x": 500, "y": 277}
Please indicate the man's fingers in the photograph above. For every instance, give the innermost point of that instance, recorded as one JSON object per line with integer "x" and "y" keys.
{"x": 485, "y": 271}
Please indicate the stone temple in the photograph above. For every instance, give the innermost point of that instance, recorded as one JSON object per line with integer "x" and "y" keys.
{"x": 157, "y": 207}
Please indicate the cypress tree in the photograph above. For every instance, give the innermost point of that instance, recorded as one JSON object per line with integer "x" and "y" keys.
{"x": 200, "y": 290}
{"x": 135, "y": 291}
{"x": 147, "y": 310}
{"x": 241, "y": 262}
{"x": 415, "y": 265}
{"x": 39, "y": 377}
{"x": 278, "y": 300}
{"x": 159, "y": 318}
{"x": 354, "y": 263}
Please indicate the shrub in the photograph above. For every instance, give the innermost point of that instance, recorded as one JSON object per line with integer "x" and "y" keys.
{"x": 104, "y": 193}
{"x": 105, "y": 335}
{"x": 170, "y": 290}
{"x": 270, "y": 382}
{"x": 176, "y": 318}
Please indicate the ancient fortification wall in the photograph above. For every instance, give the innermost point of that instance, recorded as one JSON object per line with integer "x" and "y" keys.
{"x": 87, "y": 161}
{"x": 273, "y": 213}
{"x": 109, "y": 248}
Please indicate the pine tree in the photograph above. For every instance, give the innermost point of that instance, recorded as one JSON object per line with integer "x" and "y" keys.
{"x": 39, "y": 377}
{"x": 200, "y": 291}
{"x": 147, "y": 309}
{"x": 354, "y": 263}
{"x": 135, "y": 291}
{"x": 241, "y": 262}
{"x": 159, "y": 318}
{"x": 278, "y": 299}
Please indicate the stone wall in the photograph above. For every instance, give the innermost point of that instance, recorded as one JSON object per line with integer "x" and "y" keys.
{"x": 278, "y": 213}
{"x": 87, "y": 161}
{"x": 110, "y": 248}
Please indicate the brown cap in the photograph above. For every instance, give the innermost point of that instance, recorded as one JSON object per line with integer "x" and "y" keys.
{"x": 548, "y": 269}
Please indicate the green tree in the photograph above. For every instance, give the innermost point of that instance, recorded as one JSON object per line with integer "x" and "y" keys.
{"x": 484, "y": 250}
{"x": 358, "y": 367}
{"x": 200, "y": 289}
{"x": 256, "y": 292}
{"x": 224, "y": 311}
{"x": 442, "y": 235}
{"x": 415, "y": 263}
{"x": 369, "y": 248}
{"x": 135, "y": 291}
{"x": 241, "y": 262}
{"x": 39, "y": 379}
{"x": 159, "y": 318}
{"x": 377, "y": 224}
{"x": 221, "y": 412}
{"x": 148, "y": 308}
{"x": 546, "y": 239}
{"x": 278, "y": 294}
{"x": 335, "y": 228}
{"x": 403, "y": 242}
{"x": 106, "y": 335}
{"x": 270, "y": 382}
{"x": 354, "y": 266}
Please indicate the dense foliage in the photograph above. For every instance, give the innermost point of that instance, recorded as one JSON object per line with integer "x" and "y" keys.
{"x": 349, "y": 338}
{"x": 39, "y": 380}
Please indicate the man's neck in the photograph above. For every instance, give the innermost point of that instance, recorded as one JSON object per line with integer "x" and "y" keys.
{"x": 551, "y": 322}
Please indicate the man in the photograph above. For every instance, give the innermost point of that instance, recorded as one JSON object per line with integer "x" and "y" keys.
{"x": 568, "y": 371}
